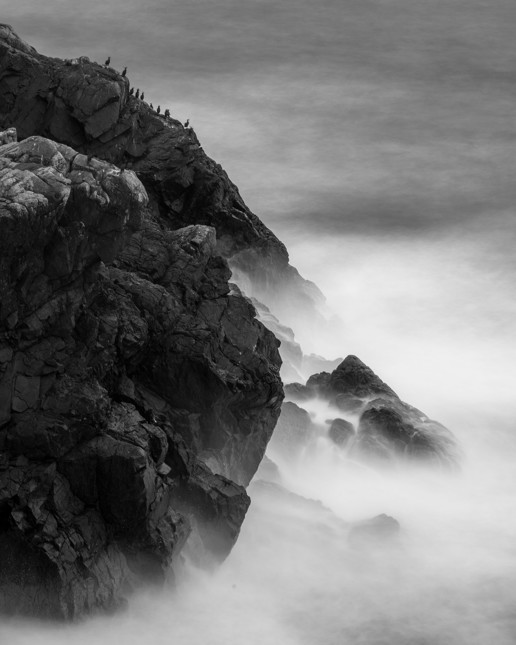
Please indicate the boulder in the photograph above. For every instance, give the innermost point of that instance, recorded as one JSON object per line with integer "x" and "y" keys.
{"x": 268, "y": 471}
{"x": 341, "y": 432}
{"x": 391, "y": 430}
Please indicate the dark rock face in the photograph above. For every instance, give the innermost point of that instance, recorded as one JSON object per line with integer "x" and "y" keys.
{"x": 350, "y": 380}
{"x": 388, "y": 428}
{"x": 89, "y": 107}
{"x": 341, "y": 432}
{"x": 298, "y": 392}
{"x": 126, "y": 367}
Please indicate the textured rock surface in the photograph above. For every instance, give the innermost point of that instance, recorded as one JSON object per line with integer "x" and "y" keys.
{"x": 89, "y": 107}
{"x": 388, "y": 429}
{"x": 350, "y": 380}
{"x": 128, "y": 375}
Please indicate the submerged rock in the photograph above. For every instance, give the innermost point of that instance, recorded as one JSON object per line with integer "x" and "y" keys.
{"x": 341, "y": 432}
{"x": 382, "y": 530}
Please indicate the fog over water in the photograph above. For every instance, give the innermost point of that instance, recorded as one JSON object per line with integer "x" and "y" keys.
{"x": 377, "y": 139}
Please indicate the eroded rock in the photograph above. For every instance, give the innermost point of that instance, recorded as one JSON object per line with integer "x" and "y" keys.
{"x": 389, "y": 430}
{"x": 125, "y": 368}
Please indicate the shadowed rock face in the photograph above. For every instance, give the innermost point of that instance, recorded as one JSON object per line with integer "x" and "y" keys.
{"x": 350, "y": 380}
{"x": 126, "y": 369}
{"x": 89, "y": 107}
{"x": 388, "y": 429}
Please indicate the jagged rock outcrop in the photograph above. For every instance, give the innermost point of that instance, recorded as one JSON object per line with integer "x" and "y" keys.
{"x": 89, "y": 107}
{"x": 349, "y": 385}
{"x": 131, "y": 382}
{"x": 388, "y": 429}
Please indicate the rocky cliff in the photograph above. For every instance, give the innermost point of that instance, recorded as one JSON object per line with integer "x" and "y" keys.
{"x": 137, "y": 392}
{"x": 91, "y": 108}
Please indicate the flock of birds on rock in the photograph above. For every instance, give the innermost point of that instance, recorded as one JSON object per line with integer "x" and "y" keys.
{"x": 141, "y": 96}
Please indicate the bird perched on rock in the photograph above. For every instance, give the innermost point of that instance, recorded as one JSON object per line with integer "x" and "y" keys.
{"x": 142, "y": 96}
{"x": 137, "y": 93}
{"x": 131, "y": 91}
{"x": 158, "y": 109}
{"x": 108, "y": 61}
{"x": 167, "y": 113}
{"x": 124, "y": 71}
{"x": 187, "y": 123}
{"x": 151, "y": 106}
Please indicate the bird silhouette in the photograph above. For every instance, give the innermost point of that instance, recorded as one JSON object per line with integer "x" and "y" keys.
{"x": 108, "y": 61}
{"x": 137, "y": 93}
{"x": 158, "y": 110}
{"x": 142, "y": 96}
{"x": 125, "y": 71}
{"x": 187, "y": 123}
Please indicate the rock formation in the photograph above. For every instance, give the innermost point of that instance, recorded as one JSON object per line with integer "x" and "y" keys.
{"x": 388, "y": 429}
{"x": 89, "y": 107}
{"x": 341, "y": 432}
{"x": 137, "y": 394}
